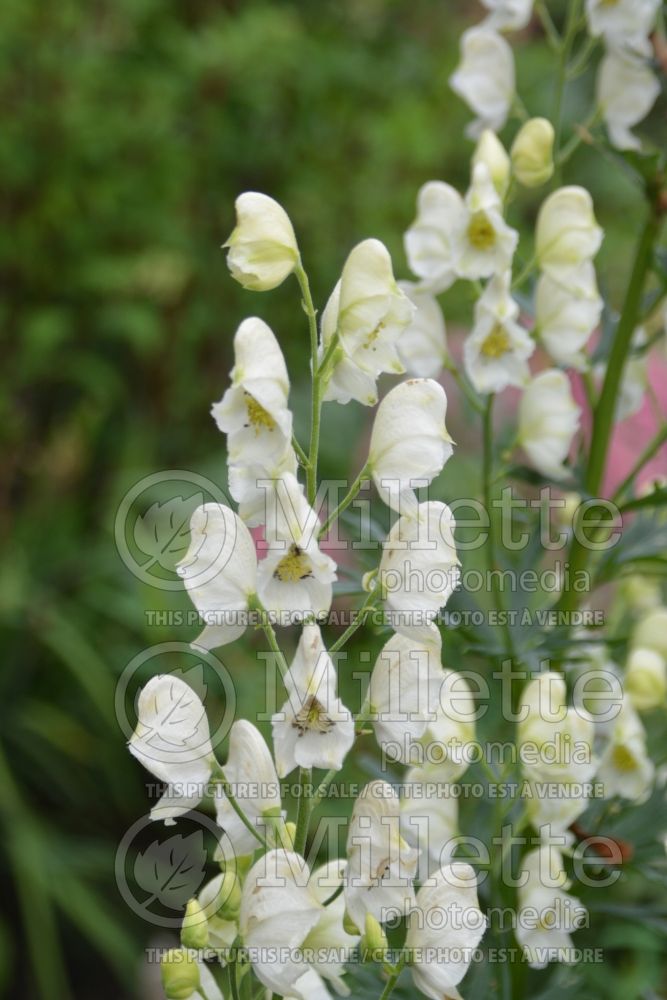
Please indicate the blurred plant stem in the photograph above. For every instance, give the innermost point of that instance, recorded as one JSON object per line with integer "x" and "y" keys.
{"x": 487, "y": 475}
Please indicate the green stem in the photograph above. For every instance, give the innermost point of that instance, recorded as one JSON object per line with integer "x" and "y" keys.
{"x": 304, "y": 809}
{"x": 487, "y": 475}
{"x": 465, "y": 387}
{"x": 227, "y": 789}
{"x": 270, "y": 634}
{"x": 301, "y": 455}
{"x": 345, "y": 502}
{"x": 316, "y": 396}
{"x": 561, "y": 73}
{"x": 645, "y": 457}
{"x": 393, "y": 979}
{"x": 604, "y": 411}
{"x": 550, "y": 28}
{"x": 357, "y": 623}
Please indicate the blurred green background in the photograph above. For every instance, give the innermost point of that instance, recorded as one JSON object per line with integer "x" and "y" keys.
{"x": 129, "y": 127}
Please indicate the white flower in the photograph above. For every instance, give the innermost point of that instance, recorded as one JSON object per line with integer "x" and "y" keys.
{"x": 548, "y": 421}
{"x": 422, "y": 347}
{"x": 432, "y": 243}
{"x": 567, "y": 233}
{"x": 532, "y": 152}
{"x": 409, "y": 442}
{"x": 419, "y": 569}
{"x": 546, "y": 913}
{"x": 381, "y": 865}
{"x": 254, "y": 784}
{"x": 488, "y": 243}
{"x": 278, "y": 911}
{"x": 624, "y": 23}
{"x": 294, "y": 578}
{"x": 508, "y": 15}
{"x": 172, "y": 741}
{"x": 313, "y": 728}
{"x": 262, "y": 248}
{"x": 625, "y": 767}
{"x": 444, "y": 930}
{"x": 212, "y": 897}
{"x": 627, "y": 89}
{"x": 450, "y": 731}
{"x": 484, "y": 78}
{"x": 646, "y": 679}
{"x": 496, "y": 353}
{"x": 368, "y": 312}
{"x": 650, "y": 632}
{"x": 491, "y": 152}
{"x": 566, "y": 313}
{"x": 253, "y": 412}
{"x": 329, "y": 938}
{"x": 219, "y": 571}
{"x": 429, "y": 818}
{"x": 403, "y": 692}
{"x": 254, "y": 486}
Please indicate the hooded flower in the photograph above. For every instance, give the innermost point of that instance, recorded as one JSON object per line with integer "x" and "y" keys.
{"x": 313, "y": 728}
{"x": 172, "y": 741}
{"x": 295, "y": 578}
{"x": 329, "y": 938}
{"x": 253, "y": 412}
{"x": 627, "y": 89}
{"x": 548, "y": 421}
{"x": 491, "y": 152}
{"x": 622, "y": 23}
{"x": 646, "y": 679}
{"x": 567, "y": 234}
{"x": 219, "y": 571}
{"x": 484, "y": 78}
{"x": 403, "y": 692}
{"x": 444, "y": 930}
{"x": 278, "y": 911}
{"x": 422, "y": 347}
{"x": 367, "y": 312}
{"x": 262, "y": 248}
{"x": 488, "y": 243}
{"x": 254, "y": 487}
{"x": 429, "y": 818}
{"x": 508, "y": 15}
{"x": 547, "y": 914}
{"x": 432, "y": 243}
{"x": 496, "y": 353}
{"x": 566, "y": 313}
{"x": 409, "y": 441}
{"x": 625, "y": 767}
{"x": 419, "y": 569}
{"x": 532, "y": 152}
{"x": 381, "y": 865}
{"x": 451, "y": 730}
{"x": 254, "y": 784}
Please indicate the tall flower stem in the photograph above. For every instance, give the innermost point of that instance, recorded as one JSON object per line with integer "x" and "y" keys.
{"x": 316, "y": 395}
{"x": 304, "y": 809}
{"x": 487, "y": 476}
{"x": 603, "y": 419}
{"x": 345, "y": 502}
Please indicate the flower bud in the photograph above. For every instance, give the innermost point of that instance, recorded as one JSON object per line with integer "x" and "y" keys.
{"x": 179, "y": 973}
{"x": 229, "y": 895}
{"x": 646, "y": 679}
{"x": 373, "y": 945}
{"x": 651, "y": 632}
{"x": 491, "y": 152}
{"x": 349, "y": 925}
{"x": 532, "y": 152}
{"x": 262, "y": 248}
{"x": 194, "y": 930}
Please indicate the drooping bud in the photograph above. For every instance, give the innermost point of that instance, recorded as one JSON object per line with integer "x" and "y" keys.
{"x": 194, "y": 931}
{"x": 262, "y": 247}
{"x": 491, "y": 152}
{"x": 646, "y": 679}
{"x": 373, "y": 945}
{"x": 179, "y": 973}
{"x": 532, "y": 152}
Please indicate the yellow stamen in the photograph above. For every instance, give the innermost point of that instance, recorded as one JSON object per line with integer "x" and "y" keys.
{"x": 258, "y": 417}
{"x": 293, "y": 567}
{"x": 624, "y": 760}
{"x": 373, "y": 336}
{"x": 497, "y": 343}
{"x": 481, "y": 233}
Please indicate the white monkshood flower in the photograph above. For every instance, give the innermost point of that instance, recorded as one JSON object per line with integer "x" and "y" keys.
{"x": 381, "y": 866}
{"x": 429, "y": 818}
{"x": 419, "y": 569}
{"x": 484, "y": 78}
{"x": 172, "y": 741}
{"x": 403, "y": 692}
{"x": 409, "y": 442}
{"x": 508, "y": 15}
{"x": 548, "y": 421}
{"x": 546, "y": 914}
{"x": 329, "y": 938}
{"x": 253, "y": 412}
{"x": 650, "y": 632}
{"x": 262, "y": 248}
{"x": 254, "y": 486}
{"x": 444, "y": 930}
{"x": 491, "y": 152}
{"x": 294, "y": 578}
{"x": 219, "y": 571}
{"x": 532, "y": 152}
{"x": 212, "y": 897}
{"x": 422, "y": 347}
{"x": 566, "y": 313}
{"x": 313, "y": 728}
{"x": 627, "y": 89}
{"x": 278, "y": 911}
{"x": 488, "y": 243}
{"x": 496, "y": 353}
{"x": 646, "y": 679}
{"x": 451, "y": 731}
{"x": 432, "y": 243}
{"x": 622, "y": 23}
{"x": 368, "y": 312}
{"x": 567, "y": 234}
{"x": 625, "y": 767}
{"x": 254, "y": 784}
